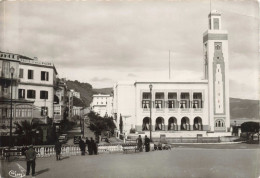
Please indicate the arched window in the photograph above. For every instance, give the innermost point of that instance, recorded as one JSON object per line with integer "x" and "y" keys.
{"x": 220, "y": 123}
{"x": 172, "y": 124}
{"x": 159, "y": 124}
{"x": 197, "y": 123}
{"x": 185, "y": 123}
{"x": 146, "y": 124}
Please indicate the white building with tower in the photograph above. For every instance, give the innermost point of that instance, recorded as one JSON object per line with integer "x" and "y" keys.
{"x": 181, "y": 107}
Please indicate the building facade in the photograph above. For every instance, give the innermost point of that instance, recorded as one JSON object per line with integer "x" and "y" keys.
{"x": 60, "y": 103}
{"x": 176, "y": 106}
{"x": 33, "y": 82}
{"x": 102, "y": 104}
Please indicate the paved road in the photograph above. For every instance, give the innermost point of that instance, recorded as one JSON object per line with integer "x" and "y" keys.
{"x": 178, "y": 162}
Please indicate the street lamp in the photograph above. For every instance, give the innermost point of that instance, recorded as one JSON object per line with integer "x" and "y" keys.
{"x": 11, "y": 115}
{"x": 151, "y": 87}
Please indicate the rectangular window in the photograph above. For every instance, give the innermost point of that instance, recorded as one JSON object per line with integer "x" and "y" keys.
{"x": 31, "y": 94}
{"x": 183, "y": 104}
{"x": 145, "y": 104}
{"x": 158, "y": 104}
{"x": 196, "y": 104}
{"x": 159, "y": 100}
{"x": 43, "y": 94}
{"x": 44, "y": 76}
{"x": 21, "y": 93}
{"x": 44, "y": 111}
{"x": 146, "y": 96}
{"x": 171, "y": 104}
{"x": 172, "y": 98}
{"x": 30, "y": 74}
{"x": 20, "y": 73}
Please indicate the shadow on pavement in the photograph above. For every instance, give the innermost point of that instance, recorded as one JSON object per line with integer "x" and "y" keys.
{"x": 66, "y": 157}
{"x": 42, "y": 171}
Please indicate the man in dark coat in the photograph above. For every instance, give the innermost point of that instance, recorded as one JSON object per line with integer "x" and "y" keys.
{"x": 93, "y": 146}
{"x": 147, "y": 143}
{"x": 139, "y": 143}
{"x": 88, "y": 144}
{"x": 30, "y": 155}
{"x": 58, "y": 150}
{"x": 82, "y": 146}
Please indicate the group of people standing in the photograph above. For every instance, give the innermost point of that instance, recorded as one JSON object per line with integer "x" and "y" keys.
{"x": 91, "y": 144}
{"x": 139, "y": 142}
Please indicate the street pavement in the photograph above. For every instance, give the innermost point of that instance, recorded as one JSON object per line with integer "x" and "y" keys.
{"x": 180, "y": 162}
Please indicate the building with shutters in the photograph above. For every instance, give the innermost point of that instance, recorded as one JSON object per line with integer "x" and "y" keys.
{"x": 33, "y": 87}
{"x": 102, "y": 104}
{"x": 179, "y": 107}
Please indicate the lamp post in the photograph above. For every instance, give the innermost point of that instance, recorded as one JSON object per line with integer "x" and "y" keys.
{"x": 11, "y": 113}
{"x": 151, "y": 87}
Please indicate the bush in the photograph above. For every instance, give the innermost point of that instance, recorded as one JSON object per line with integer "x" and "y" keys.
{"x": 132, "y": 130}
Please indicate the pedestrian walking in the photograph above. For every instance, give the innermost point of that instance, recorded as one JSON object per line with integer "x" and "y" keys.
{"x": 58, "y": 149}
{"x": 93, "y": 146}
{"x": 139, "y": 143}
{"x": 30, "y": 155}
{"x": 147, "y": 143}
{"x": 82, "y": 146}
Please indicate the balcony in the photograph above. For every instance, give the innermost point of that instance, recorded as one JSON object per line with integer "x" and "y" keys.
{"x": 159, "y": 109}
{"x": 173, "y": 109}
{"x": 197, "y": 110}
{"x": 184, "y": 110}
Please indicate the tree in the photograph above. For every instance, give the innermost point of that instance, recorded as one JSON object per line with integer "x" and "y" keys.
{"x": 25, "y": 129}
{"x": 121, "y": 124}
{"x": 100, "y": 124}
{"x": 250, "y": 128}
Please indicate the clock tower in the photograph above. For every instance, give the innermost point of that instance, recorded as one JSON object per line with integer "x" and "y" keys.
{"x": 215, "y": 49}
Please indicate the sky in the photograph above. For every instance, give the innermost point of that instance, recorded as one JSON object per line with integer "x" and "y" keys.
{"x": 102, "y": 42}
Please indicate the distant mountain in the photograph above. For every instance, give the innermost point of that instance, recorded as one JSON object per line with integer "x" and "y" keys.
{"x": 244, "y": 109}
{"x": 107, "y": 91}
{"x": 240, "y": 109}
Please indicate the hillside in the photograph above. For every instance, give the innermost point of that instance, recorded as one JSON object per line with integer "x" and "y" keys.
{"x": 240, "y": 109}
{"x": 244, "y": 109}
{"x": 85, "y": 90}
{"x": 103, "y": 91}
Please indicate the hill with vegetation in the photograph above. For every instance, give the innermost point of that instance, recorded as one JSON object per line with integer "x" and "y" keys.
{"x": 244, "y": 109}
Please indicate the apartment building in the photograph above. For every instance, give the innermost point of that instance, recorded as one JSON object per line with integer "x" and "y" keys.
{"x": 34, "y": 82}
{"x": 22, "y": 109}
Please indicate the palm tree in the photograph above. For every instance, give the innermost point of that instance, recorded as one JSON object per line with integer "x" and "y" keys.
{"x": 25, "y": 130}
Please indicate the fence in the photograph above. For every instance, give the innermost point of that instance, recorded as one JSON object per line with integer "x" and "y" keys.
{"x": 185, "y": 140}
{"x": 66, "y": 150}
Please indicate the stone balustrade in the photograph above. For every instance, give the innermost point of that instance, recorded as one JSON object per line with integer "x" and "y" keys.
{"x": 66, "y": 150}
